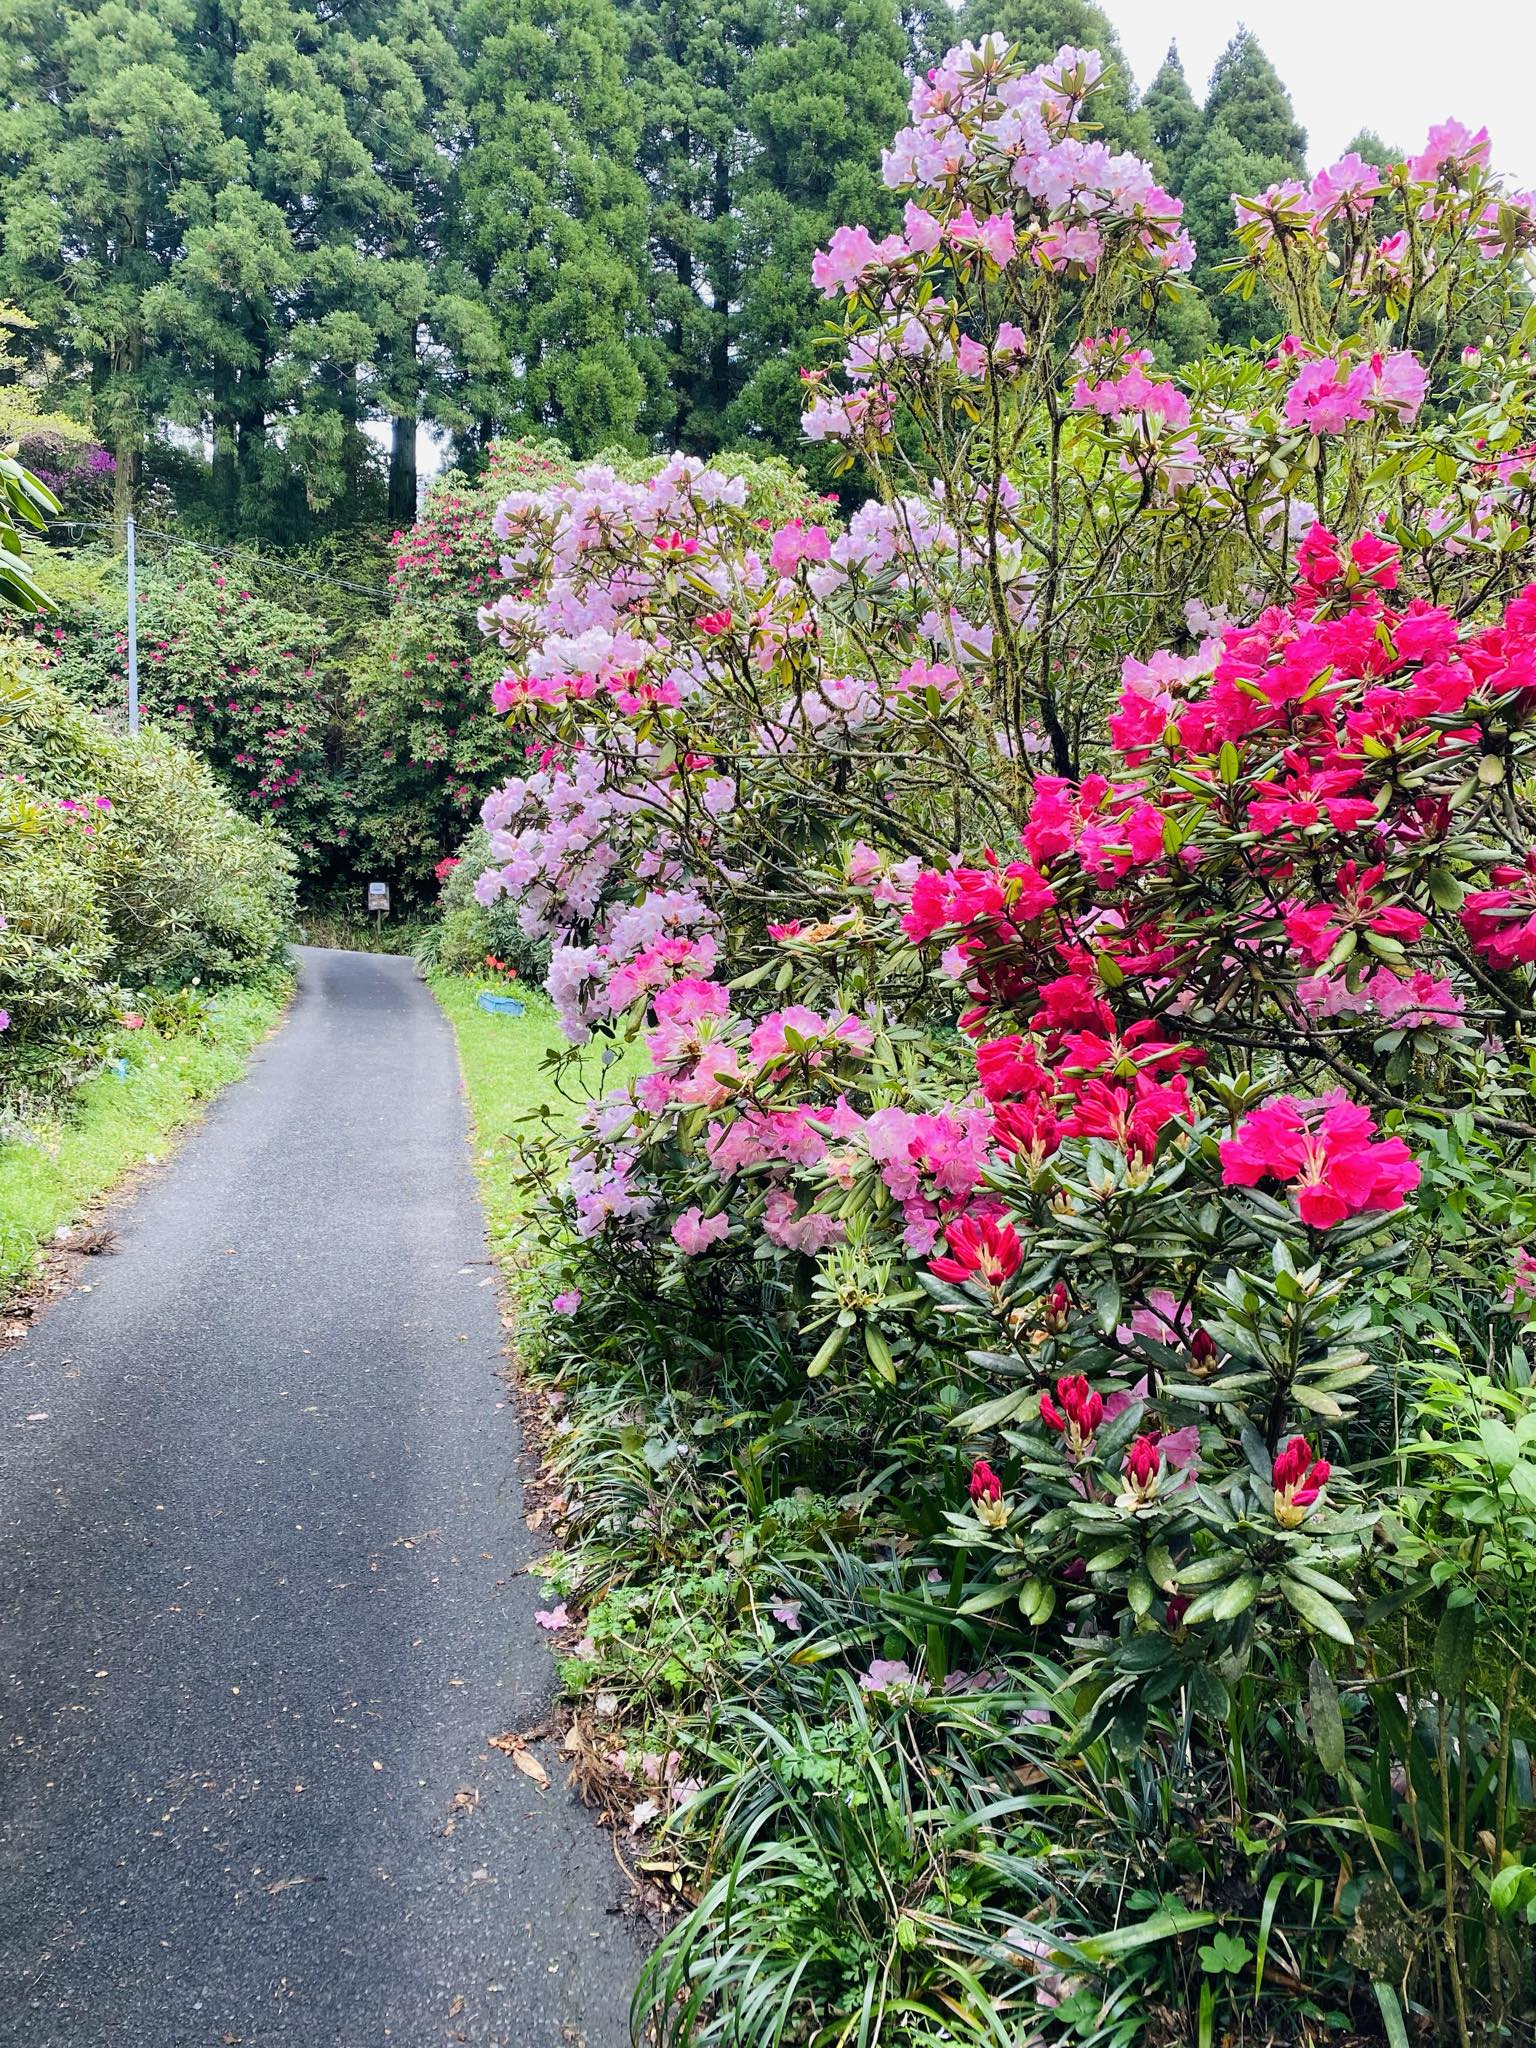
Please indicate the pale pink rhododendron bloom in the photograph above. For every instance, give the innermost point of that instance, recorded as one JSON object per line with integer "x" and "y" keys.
{"x": 693, "y": 1232}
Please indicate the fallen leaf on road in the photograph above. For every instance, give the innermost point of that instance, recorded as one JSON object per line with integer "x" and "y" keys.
{"x": 457, "y": 2007}
{"x": 531, "y": 1768}
{"x": 286, "y": 1884}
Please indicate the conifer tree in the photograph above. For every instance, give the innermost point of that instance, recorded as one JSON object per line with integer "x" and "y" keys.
{"x": 1247, "y": 96}
{"x": 109, "y": 149}
{"x": 1174, "y": 120}
{"x": 552, "y": 220}
{"x": 763, "y": 125}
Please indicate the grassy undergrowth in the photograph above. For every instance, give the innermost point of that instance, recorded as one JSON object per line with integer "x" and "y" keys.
{"x": 53, "y": 1169}
{"x": 509, "y": 1081}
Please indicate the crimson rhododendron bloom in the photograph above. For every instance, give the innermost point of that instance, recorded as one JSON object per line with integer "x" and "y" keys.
{"x": 1501, "y": 922}
{"x": 1314, "y": 929}
{"x": 1327, "y": 1149}
{"x": 1079, "y": 1414}
{"x": 1298, "y": 1480}
{"x": 979, "y": 1249}
{"x": 1140, "y": 1467}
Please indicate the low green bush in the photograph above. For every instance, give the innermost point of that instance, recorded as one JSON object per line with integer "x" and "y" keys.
{"x": 124, "y": 873}
{"x": 469, "y": 932}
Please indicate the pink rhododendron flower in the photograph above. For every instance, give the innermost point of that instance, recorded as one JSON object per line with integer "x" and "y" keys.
{"x": 1452, "y": 150}
{"x": 817, "y": 1035}
{"x": 693, "y": 1232}
{"x": 567, "y": 1302}
{"x": 1328, "y": 1151}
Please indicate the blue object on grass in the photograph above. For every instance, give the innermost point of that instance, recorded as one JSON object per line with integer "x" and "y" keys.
{"x": 118, "y": 1067}
{"x": 503, "y": 1006}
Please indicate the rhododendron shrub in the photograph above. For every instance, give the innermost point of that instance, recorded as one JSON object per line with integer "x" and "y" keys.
{"x": 1077, "y": 913}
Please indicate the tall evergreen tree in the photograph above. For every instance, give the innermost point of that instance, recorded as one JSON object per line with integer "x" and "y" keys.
{"x": 553, "y": 218}
{"x": 1248, "y": 138}
{"x": 689, "y": 71}
{"x": 1247, "y": 96}
{"x": 1040, "y": 27}
{"x": 1174, "y": 120}
{"x": 404, "y": 88}
{"x": 110, "y": 149}
{"x": 301, "y": 284}
{"x": 819, "y": 107}
{"x": 763, "y": 125}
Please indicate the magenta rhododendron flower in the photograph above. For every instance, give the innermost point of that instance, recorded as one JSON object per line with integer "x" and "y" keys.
{"x": 1327, "y": 1150}
{"x": 567, "y": 1302}
{"x": 1298, "y": 1480}
{"x": 1501, "y": 922}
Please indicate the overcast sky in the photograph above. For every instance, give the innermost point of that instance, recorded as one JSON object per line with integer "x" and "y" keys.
{"x": 1395, "y": 65}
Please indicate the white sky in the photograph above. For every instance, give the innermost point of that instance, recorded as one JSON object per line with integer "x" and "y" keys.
{"x": 1394, "y": 66}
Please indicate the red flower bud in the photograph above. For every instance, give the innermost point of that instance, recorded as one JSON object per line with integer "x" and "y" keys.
{"x": 1142, "y": 1463}
{"x": 985, "y": 1484}
{"x": 1079, "y": 1415}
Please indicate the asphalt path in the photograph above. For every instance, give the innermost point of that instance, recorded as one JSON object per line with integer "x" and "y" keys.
{"x": 263, "y": 1599}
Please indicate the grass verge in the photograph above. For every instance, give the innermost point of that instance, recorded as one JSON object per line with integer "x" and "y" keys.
{"x": 57, "y": 1167}
{"x": 507, "y": 1063}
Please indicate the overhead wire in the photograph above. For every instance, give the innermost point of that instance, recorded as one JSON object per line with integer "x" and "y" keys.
{"x": 285, "y": 568}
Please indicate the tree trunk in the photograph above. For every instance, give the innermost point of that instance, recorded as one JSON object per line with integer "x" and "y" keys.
{"x": 226, "y": 472}
{"x": 402, "y": 469}
{"x": 722, "y": 286}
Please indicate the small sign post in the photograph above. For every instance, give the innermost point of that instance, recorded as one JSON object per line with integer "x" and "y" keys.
{"x": 378, "y": 900}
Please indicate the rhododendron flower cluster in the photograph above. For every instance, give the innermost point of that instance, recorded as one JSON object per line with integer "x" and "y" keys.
{"x": 1067, "y": 912}
{"x": 1328, "y": 1150}
{"x": 1299, "y": 1479}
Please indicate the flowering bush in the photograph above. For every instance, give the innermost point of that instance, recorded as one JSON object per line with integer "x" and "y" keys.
{"x": 1079, "y": 918}
{"x": 427, "y": 692}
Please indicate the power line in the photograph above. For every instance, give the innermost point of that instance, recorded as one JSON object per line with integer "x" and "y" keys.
{"x": 185, "y": 540}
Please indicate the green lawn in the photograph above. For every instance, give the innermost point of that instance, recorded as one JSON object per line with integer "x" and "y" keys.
{"x": 111, "y": 1124}
{"x": 507, "y": 1082}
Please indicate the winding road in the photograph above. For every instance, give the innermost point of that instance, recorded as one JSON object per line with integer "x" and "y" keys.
{"x": 263, "y": 1599}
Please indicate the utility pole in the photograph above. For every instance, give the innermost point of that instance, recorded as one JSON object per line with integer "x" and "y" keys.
{"x": 133, "y": 634}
